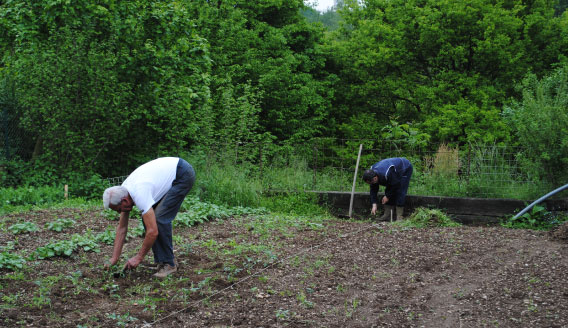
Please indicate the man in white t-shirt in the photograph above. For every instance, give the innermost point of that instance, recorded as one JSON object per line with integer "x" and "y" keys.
{"x": 158, "y": 189}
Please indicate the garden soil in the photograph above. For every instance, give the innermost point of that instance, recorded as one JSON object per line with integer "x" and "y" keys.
{"x": 333, "y": 273}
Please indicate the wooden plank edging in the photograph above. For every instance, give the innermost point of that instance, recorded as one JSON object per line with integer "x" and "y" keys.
{"x": 462, "y": 209}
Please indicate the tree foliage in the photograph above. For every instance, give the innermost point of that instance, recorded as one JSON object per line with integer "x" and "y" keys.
{"x": 102, "y": 86}
{"x": 447, "y": 65}
{"x": 95, "y": 81}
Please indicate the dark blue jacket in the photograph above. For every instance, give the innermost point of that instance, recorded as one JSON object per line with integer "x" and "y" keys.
{"x": 392, "y": 173}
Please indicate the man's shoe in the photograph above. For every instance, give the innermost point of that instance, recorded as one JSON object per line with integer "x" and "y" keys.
{"x": 400, "y": 213}
{"x": 165, "y": 270}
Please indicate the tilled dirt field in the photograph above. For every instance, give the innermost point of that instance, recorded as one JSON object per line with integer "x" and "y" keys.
{"x": 278, "y": 271}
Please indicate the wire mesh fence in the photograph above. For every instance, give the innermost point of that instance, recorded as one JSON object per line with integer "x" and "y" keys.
{"x": 474, "y": 171}
{"x": 115, "y": 181}
{"x": 328, "y": 164}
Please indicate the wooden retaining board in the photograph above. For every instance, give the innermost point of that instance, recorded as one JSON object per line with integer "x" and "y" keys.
{"x": 473, "y": 211}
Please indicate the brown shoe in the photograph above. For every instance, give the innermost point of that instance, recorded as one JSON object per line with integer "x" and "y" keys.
{"x": 165, "y": 270}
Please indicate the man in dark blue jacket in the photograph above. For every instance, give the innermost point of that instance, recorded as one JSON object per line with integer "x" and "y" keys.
{"x": 394, "y": 174}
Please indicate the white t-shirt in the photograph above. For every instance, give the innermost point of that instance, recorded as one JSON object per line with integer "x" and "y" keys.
{"x": 151, "y": 181}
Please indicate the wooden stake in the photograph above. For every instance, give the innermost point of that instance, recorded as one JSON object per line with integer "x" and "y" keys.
{"x": 66, "y": 191}
{"x": 354, "y": 181}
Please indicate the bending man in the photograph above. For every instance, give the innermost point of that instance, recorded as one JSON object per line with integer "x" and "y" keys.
{"x": 394, "y": 174}
{"x": 157, "y": 188}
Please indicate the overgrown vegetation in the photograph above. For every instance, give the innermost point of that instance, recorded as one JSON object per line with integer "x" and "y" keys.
{"x": 427, "y": 218}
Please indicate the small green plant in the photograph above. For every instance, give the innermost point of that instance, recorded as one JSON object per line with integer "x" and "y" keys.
{"x": 24, "y": 227}
{"x": 110, "y": 215}
{"x": 106, "y": 236}
{"x": 44, "y": 290}
{"x": 87, "y": 242}
{"x": 111, "y": 287}
{"x": 538, "y": 218}
{"x": 301, "y": 297}
{"x": 11, "y": 261}
{"x": 351, "y": 307}
{"x": 122, "y": 320}
{"x": 59, "y": 224}
{"x": 10, "y": 300}
{"x": 282, "y": 314}
{"x": 139, "y": 230}
{"x": 74, "y": 278}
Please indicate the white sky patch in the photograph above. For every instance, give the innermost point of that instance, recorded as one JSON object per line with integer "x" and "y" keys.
{"x": 322, "y": 5}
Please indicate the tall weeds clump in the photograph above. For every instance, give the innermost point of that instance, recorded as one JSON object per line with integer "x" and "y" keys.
{"x": 289, "y": 175}
{"x": 233, "y": 183}
{"x": 445, "y": 163}
{"x": 438, "y": 174}
{"x": 226, "y": 183}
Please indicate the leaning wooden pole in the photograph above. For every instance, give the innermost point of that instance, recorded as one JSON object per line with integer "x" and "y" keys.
{"x": 354, "y": 181}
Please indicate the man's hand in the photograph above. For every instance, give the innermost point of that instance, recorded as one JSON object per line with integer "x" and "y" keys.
{"x": 132, "y": 263}
{"x": 374, "y": 209}
{"x": 110, "y": 263}
{"x": 385, "y": 200}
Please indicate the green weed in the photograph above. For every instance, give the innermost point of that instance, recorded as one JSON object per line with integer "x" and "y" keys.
{"x": 11, "y": 261}
{"x": 106, "y": 236}
{"x": 301, "y": 297}
{"x": 122, "y": 320}
{"x": 58, "y": 248}
{"x": 42, "y": 297}
{"x": 87, "y": 242}
{"x": 424, "y": 218}
{"x": 351, "y": 307}
{"x": 59, "y": 224}
{"x": 282, "y": 314}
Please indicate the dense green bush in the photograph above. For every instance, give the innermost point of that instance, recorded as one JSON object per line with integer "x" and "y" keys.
{"x": 540, "y": 121}
{"x": 30, "y": 196}
{"x": 87, "y": 186}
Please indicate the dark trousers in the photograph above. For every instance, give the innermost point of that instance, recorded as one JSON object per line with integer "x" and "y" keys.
{"x": 404, "y": 182}
{"x": 400, "y": 196}
{"x": 166, "y": 210}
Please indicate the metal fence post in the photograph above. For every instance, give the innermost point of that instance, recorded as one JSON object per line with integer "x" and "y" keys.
{"x": 315, "y": 167}
{"x": 260, "y": 157}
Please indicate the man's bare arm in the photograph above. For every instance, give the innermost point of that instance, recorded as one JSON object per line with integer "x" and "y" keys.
{"x": 121, "y": 231}
{"x": 149, "y": 219}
